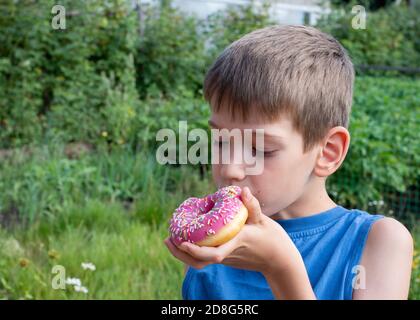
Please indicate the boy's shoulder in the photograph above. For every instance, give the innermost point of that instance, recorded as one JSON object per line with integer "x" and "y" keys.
{"x": 389, "y": 233}
{"x": 388, "y": 255}
{"x": 385, "y": 234}
{"x": 383, "y": 229}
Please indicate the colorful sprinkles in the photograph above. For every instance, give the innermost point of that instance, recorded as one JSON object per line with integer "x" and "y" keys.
{"x": 197, "y": 218}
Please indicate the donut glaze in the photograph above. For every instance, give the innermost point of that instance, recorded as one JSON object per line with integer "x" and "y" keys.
{"x": 199, "y": 218}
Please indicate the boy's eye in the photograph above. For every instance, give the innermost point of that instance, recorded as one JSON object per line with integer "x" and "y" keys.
{"x": 266, "y": 153}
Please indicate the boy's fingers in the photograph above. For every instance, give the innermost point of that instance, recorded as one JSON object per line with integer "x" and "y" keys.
{"x": 184, "y": 257}
{"x": 210, "y": 254}
{"x": 201, "y": 253}
{"x": 252, "y": 204}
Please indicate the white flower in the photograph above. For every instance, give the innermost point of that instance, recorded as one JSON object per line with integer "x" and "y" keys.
{"x": 77, "y": 285}
{"x": 81, "y": 289}
{"x": 73, "y": 282}
{"x": 88, "y": 266}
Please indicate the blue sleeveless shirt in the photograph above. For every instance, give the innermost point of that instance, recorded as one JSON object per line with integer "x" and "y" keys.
{"x": 331, "y": 245}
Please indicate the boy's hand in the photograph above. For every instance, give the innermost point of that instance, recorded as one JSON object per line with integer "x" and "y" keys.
{"x": 261, "y": 245}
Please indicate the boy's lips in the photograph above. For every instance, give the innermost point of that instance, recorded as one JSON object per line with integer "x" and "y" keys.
{"x": 234, "y": 184}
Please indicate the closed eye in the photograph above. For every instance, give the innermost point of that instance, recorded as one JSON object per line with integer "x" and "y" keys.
{"x": 266, "y": 153}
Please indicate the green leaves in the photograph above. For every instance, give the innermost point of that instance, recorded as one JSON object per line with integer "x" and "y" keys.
{"x": 383, "y": 158}
{"x": 390, "y": 38}
{"x": 224, "y": 27}
{"x": 171, "y": 53}
{"x": 60, "y": 83}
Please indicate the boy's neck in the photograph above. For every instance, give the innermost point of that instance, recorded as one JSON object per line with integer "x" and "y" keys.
{"x": 314, "y": 200}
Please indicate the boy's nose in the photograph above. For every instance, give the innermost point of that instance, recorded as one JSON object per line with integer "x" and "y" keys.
{"x": 232, "y": 172}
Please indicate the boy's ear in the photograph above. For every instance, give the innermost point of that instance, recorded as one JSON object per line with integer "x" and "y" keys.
{"x": 332, "y": 152}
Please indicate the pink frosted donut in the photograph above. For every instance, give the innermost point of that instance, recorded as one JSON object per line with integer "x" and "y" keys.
{"x": 209, "y": 221}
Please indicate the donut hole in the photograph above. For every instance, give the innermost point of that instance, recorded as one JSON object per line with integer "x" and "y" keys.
{"x": 206, "y": 206}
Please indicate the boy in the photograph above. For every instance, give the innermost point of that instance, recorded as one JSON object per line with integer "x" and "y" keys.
{"x": 296, "y": 83}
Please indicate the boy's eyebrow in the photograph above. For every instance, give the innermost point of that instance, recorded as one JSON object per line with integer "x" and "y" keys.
{"x": 267, "y": 135}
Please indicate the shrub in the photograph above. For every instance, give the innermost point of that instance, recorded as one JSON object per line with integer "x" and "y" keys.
{"x": 62, "y": 84}
{"x": 384, "y": 156}
{"x": 391, "y": 37}
{"x": 225, "y": 26}
{"x": 170, "y": 53}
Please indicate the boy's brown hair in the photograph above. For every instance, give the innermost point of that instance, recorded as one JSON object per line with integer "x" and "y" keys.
{"x": 285, "y": 70}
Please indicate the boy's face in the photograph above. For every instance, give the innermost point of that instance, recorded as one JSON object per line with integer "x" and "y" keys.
{"x": 287, "y": 171}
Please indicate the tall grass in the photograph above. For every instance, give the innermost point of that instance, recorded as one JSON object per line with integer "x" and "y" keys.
{"x": 130, "y": 257}
{"x": 108, "y": 208}
{"x": 46, "y": 183}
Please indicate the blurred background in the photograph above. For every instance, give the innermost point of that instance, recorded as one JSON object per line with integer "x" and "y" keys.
{"x": 80, "y": 106}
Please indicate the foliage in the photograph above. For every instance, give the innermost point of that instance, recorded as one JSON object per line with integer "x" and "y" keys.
{"x": 224, "y": 27}
{"x": 170, "y": 54}
{"x": 65, "y": 84}
{"x": 384, "y": 154}
{"x": 391, "y": 37}
{"x": 44, "y": 183}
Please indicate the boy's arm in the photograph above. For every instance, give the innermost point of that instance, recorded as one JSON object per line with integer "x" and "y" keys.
{"x": 291, "y": 283}
{"x": 386, "y": 260}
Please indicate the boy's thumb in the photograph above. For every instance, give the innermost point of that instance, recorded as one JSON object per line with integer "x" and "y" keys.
{"x": 252, "y": 204}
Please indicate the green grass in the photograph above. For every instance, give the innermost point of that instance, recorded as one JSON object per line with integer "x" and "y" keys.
{"x": 108, "y": 208}
{"x": 130, "y": 258}
{"x": 45, "y": 183}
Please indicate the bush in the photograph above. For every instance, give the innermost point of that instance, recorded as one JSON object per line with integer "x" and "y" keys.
{"x": 384, "y": 154}
{"x": 225, "y": 26}
{"x": 159, "y": 112}
{"x": 65, "y": 84}
{"x": 170, "y": 54}
{"x": 391, "y": 37}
